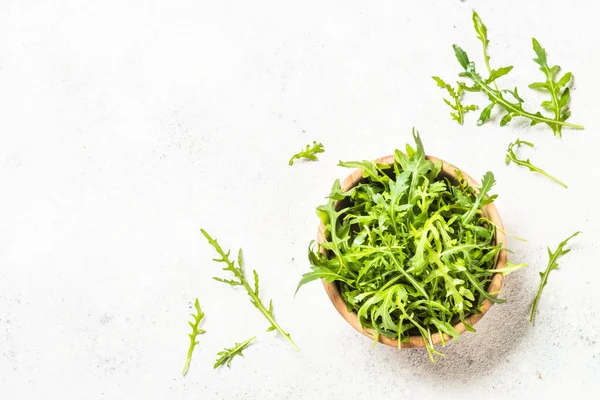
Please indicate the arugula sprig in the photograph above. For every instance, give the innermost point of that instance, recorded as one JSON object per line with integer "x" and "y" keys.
{"x": 552, "y": 265}
{"x": 558, "y": 90}
{"x": 227, "y": 355}
{"x": 309, "y": 153}
{"x": 240, "y": 280}
{"x": 512, "y": 105}
{"x": 195, "y": 325}
{"x": 411, "y": 251}
{"x": 487, "y": 182}
{"x": 455, "y": 104}
{"x": 512, "y": 157}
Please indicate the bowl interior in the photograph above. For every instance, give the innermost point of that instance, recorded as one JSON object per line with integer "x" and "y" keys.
{"x": 494, "y": 286}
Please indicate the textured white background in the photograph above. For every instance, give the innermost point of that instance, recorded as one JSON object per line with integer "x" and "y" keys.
{"x": 126, "y": 126}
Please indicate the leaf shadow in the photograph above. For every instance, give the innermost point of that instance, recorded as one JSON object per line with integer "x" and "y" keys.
{"x": 478, "y": 354}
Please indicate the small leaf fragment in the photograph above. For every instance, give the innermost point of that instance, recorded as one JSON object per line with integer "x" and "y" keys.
{"x": 227, "y": 355}
{"x": 309, "y": 153}
{"x": 552, "y": 265}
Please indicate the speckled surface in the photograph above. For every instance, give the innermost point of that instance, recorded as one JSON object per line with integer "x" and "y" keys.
{"x": 126, "y": 126}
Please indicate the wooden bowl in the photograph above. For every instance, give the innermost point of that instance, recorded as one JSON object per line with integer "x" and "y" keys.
{"x": 494, "y": 287}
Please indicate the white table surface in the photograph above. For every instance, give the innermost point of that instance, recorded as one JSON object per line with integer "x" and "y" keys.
{"x": 126, "y": 126}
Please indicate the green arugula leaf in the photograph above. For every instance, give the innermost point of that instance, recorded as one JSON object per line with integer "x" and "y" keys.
{"x": 309, "y": 153}
{"x": 552, "y": 265}
{"x": 508, "y": 269}
{"x": 486, "y": 114}
{"x": 481, "y": 31}
{"x": 195, "y": 325}
{"x": 512, "y": 157}
{"x": 240, "y": 280}
{"x": 227, "y": 355}
{"x": 558, "y": 90}
{"x": 456, "y": 96}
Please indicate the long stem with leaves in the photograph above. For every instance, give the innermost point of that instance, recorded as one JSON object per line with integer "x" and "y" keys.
{"x": 552, "y": 265}
{"x": 558, "y": 90}
{"x": 455, "y": 103}
{"x": 240, "y": 280}
{"x": 512, "y": 157}
{"x": 227, "y": 355}
{"x": 496, "y": 97}
{"x": 195, "y": 325}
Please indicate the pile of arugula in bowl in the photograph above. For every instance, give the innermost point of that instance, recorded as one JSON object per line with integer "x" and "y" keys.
{"x": 410, "y": 249}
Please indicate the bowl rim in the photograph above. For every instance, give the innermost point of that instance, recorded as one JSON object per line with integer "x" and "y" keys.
{"x": 493, "y": 289}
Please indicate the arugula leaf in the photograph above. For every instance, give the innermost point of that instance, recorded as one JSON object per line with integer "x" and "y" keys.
{"x": 195, "y": 325}
{"x": 407, "y": 248}
{"x": 512, "y": 157}
{"x": 552, "y": 265}
{"x": 456, "y": 95}
{"x": 227, "y": 355}
{"x": 414, "y": 162}
{"x": 486, "y": 184}
{"x": 240, "y": 280}
{"x": 481, "y": 30}
{"x": 319, "y": 272}
{"x": 508, "y": 269}
{"x": 558, "y": 90}
{"x": 309, "y": 153}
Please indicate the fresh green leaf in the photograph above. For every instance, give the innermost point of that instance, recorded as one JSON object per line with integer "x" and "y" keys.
{"x": 195, "y": 325}
{"x": 309, "y": 153}
{"x": 455, "y": 104}
{"x": 461, "y": 56}
{"x": 512, "y": 157}
{"x": 558, "y": 90}
{"x": 370, "y": 169}
{"x": 227, "y": 355}
{"x": 485, "y": 114}
{"x": 240, "y": 280}
{"x": 552, "y": 265}
{"x": 497, "y": 73}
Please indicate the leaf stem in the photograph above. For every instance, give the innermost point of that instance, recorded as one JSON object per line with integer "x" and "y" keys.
{"x": 511, "y": 156}
{"x": 188, "y": 361}
{"x": 547, "y": 175}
